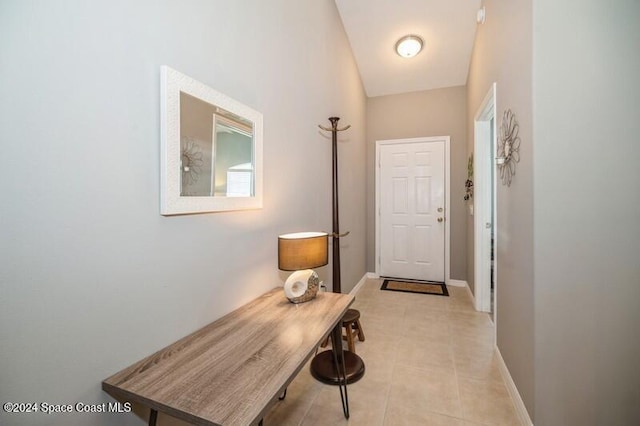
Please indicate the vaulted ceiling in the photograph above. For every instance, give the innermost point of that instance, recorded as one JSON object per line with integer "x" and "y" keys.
{"x": 374, "y": 26}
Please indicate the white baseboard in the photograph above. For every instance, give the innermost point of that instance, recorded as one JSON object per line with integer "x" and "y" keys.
{"x": 470, "y": 293}
{"x": 458, "y": 283}
{"x": 461, "y": 283}
{"x": 364, "y": 278}
{"x": 521, "y": 409}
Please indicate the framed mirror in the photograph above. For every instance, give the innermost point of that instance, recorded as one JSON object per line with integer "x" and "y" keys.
{"x": 211, "y": 149}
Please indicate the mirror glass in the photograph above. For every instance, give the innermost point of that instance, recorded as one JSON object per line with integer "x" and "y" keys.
{"x": 216, "y": 151}
{"x": 211, "y": 149}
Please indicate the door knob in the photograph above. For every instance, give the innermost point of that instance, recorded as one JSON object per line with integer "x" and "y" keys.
{"x": 440, "y": 219}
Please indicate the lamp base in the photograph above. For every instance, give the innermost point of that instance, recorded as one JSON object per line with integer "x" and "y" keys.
{"x": 302, "y": 286}
{"x": 324, "y": 369}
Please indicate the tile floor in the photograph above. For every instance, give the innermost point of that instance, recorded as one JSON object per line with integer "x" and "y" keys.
{"x": 429, "y": 361}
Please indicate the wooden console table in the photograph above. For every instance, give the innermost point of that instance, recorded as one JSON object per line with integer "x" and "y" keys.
{"x": 230, "y": 371}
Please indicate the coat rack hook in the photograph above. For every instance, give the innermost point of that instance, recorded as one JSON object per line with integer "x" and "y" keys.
{"x": 329, "y": 129}
{"x": 337, "y": 235}
{"x": 334, "y": 125}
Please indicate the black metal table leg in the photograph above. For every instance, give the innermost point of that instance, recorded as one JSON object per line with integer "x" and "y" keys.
{"x": 153, "y": 417}
{"x": 284, "y": 395}
{"x": 338, "y": 359}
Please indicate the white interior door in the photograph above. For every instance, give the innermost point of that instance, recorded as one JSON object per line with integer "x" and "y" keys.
{"x": 484, "y": 205}
{"x": 411, "y": 201}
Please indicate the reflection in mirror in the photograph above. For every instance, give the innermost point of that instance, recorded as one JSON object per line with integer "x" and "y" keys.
{"x": 216, "y": 151}
{"x": 211, "y": 149}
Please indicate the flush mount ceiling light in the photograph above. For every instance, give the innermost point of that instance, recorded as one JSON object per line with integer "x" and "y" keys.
{"x": 409, "y": 46}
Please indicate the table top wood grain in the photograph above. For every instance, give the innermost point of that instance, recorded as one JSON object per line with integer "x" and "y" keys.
{"x": 230, "y": 371}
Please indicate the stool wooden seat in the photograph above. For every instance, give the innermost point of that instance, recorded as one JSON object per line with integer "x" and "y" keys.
{"x": 352, "y": 327}
{"x": 351, "y": 324}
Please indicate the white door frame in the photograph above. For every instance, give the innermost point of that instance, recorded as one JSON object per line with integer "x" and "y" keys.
{"x": 483, "y": 186}
{"x": 447, "y": 196}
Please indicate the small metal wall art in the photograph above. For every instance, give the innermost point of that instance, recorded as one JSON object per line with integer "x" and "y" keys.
{"x": 508, "y": 147}
{"x": 468, "y": 185}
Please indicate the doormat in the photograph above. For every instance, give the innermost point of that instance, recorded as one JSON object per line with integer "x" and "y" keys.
{"x": 424, "y": 287}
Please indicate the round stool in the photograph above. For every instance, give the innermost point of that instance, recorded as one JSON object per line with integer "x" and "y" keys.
{"x": 351, "y": 324}
{"x": 352, "y": 327}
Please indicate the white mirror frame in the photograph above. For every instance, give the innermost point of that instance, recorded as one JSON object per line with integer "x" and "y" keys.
{"x": 172, "y": 83}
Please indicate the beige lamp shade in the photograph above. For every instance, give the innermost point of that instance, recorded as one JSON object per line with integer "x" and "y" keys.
{"x": 303, "y": 250}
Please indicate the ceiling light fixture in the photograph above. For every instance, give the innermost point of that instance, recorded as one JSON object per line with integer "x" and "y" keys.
{"x": 409, "y": 46}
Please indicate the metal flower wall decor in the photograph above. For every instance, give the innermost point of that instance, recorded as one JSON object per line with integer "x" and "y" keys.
{"x": 190, "y": 161}
{"x": 508, "y": 147}
{"x": 468, "y": 185}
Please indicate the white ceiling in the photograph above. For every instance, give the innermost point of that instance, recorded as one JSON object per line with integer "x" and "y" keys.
{"x": 447, "y": 27}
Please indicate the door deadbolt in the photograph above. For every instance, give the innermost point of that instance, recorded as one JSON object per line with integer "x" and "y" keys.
{"x": 440, "y": 209}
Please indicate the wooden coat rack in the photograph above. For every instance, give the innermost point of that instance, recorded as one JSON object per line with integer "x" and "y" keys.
{"x": 337, "y": 288}
{"x": 324, "y": 366}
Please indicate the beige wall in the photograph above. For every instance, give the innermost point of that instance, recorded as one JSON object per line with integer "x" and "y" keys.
{"x": 587, "y": 212}
{"x": 93, "y": 278}
{"x": 502, "y": 53}
{"x": 570, "y": 346}
{"x": 439, "y": 112}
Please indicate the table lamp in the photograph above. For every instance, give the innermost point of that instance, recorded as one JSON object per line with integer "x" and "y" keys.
{"x": 300, "y": 252}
